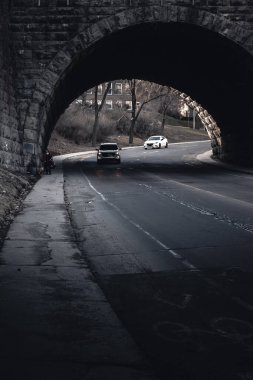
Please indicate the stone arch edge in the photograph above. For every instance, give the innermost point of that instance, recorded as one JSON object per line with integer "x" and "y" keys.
{"x": 64, "y": 60}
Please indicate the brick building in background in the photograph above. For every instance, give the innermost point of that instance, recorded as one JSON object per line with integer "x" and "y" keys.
{"x": 119, "y": 96}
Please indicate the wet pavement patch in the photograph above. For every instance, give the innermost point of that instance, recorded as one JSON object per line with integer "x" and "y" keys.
{"x": 191, "y": 325}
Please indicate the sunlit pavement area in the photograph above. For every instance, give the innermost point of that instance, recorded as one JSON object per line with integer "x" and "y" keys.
{"x": 60, "y": 321}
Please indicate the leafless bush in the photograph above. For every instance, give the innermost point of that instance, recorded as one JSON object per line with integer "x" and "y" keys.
{"x": 78, "y": 126}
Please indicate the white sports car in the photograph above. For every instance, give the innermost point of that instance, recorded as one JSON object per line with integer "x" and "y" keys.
{"x": 156, "y": 142}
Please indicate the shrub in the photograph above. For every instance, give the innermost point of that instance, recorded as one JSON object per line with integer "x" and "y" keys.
{"x": 77, "y": 125}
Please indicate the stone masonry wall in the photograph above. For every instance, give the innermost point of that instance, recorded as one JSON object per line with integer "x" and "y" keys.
{"x": 10, "y": 138}
{"x": 33, "y": 31}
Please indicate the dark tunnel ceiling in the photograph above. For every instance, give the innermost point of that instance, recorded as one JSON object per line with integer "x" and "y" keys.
{"x": 189, "y": 58}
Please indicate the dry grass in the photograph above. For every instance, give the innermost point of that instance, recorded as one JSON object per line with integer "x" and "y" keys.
{"x": 73, "y": 130}
{"x": 60, "y": 145}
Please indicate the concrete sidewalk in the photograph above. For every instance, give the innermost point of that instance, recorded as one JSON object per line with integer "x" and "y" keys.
{"x": 55, "y": 322}
{"x": 207, "y": 159}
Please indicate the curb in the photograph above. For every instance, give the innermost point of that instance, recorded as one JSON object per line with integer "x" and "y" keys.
{"x": 207, "y": 159}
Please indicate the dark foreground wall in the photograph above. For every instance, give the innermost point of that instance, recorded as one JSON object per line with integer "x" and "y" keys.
{"x": 51, "y": 51}
{"x": 10, "y": 134}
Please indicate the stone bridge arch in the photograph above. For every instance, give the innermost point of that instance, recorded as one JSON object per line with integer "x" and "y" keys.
{"x": 216, "y": 71}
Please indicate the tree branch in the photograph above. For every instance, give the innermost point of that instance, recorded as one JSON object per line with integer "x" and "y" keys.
{"x": 147, "y": 101}
{"x": 104, "y": 96}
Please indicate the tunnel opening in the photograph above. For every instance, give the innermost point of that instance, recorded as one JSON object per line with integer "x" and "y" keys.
{"x": 158, "y": 110}
{"x": 214, "y": 71}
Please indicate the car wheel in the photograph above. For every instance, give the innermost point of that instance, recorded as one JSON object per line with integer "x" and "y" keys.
{"x": 166, "y": 146}
{"x": 159, "y": 146}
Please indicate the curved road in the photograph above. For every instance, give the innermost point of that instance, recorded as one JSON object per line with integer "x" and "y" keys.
{"x": 170, "y": 241}
{"x": 161, "y": 210}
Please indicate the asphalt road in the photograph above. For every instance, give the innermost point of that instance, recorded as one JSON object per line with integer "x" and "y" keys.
{"x": 170, "y": 242}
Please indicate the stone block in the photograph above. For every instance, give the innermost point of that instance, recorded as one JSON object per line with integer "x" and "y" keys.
{"x": 5, "y": 131}
{"x": 28, "y": 148}
{"x": 30, "y": 135}
{"x": 32, "y": 123}
{"x": 38, "y": 96}
{"x": 5, "y": 144}
{"x": 15, "y": 135}
{"x": 33, "y": 109}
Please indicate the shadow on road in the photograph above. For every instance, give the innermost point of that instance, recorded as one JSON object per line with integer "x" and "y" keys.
{"x": 191, "y": 325}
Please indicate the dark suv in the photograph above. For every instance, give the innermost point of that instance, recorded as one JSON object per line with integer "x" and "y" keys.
{"x": 108, "y": 152}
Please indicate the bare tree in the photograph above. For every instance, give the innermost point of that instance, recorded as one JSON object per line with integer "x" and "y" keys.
{"x": 169, "y": 104}
{"x": 98, "y": 108}
{"x": 146, "y": 93}
{"x": 164, "y": 108}
{"x": 172, "y": 104}
{"x": 132, "y": 86}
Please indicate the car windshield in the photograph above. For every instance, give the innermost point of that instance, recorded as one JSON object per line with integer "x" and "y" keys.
{"x": 108, "y": 147}
{"x": 154, "y": 138}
